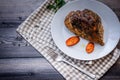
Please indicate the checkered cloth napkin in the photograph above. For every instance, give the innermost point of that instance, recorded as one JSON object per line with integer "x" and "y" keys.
{"x": 36, "y": 30}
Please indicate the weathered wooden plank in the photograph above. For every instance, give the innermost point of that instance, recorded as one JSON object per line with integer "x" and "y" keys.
{"x": 17, "y": 9}
{"x": 8, "y": 32}
{"x": 13, "y": 45}
{"x": 37, "y": 68}
{"x": 10, "y": 35}
{"x": 36, "y": 65}
{"x": 18, "y": 52}
{"x": 38, "y": 77}
{"x": 10, "y": 23}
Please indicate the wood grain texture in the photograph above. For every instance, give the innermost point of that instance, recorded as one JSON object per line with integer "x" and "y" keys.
{"x": 18, "y": 59}
{"x": 12, "y": 45}
{"x": 36, "y": 68}
{"x": 11, "y": 10}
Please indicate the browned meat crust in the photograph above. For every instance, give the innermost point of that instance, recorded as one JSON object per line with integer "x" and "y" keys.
{"x": 86, "y": 24}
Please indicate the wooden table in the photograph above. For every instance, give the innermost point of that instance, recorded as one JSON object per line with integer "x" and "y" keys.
{"x": 18, "y": 59}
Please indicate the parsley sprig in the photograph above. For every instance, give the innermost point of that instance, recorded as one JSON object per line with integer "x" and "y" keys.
{"x": 58, "y": 4}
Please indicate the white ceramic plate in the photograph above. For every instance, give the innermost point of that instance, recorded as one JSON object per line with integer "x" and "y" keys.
{"x": 111, "y": 30}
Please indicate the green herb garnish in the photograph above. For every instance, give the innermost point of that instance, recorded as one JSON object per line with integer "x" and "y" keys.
{"x": 58, "y": 4}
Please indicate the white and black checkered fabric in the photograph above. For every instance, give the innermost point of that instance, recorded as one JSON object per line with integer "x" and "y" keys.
{"x": 36, "y": 30}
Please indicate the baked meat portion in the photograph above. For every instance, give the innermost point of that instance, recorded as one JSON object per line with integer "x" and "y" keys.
{"x": 86, "y": 24}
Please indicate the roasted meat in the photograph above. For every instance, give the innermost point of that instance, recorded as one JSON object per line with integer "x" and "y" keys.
{"x": 86, "y": 24}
